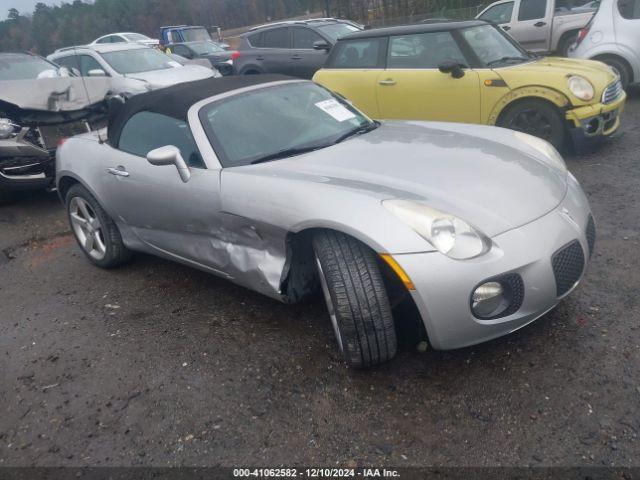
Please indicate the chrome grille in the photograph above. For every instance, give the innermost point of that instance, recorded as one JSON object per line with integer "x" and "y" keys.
{"x": 612, "y": 92}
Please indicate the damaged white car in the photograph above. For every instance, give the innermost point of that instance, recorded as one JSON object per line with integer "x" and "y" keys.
{"x": 281, "y": 186}
{"x": 40, "y": 104}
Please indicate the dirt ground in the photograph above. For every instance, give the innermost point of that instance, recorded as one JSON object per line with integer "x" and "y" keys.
{"x": 158, "y": 364}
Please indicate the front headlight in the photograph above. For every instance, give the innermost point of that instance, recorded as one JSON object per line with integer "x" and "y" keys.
{"x": 7, "y": 128}
{"x": 581, "y": 88}
{"x": 447, "y": 233}
{"x": 545, "y": 148}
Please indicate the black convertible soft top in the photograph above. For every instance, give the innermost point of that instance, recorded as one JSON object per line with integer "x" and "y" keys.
{"x": 176, "y": 101}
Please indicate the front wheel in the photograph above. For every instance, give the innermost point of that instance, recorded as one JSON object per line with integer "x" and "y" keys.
{"x": 537, "y": 118}
{"x": 356, "y": 298}
{"x": 96, "y": 233}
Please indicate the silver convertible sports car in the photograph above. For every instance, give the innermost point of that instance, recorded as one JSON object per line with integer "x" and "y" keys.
{"x": 279, "y": 185}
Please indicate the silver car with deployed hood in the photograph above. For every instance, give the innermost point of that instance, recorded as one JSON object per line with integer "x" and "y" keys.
{"x": 40, "y": 104}
{"x": 283, "y": 187}
{"x": 132, "y": 68}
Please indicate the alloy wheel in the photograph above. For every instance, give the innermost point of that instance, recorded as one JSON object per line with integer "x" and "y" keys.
{"x": 532, "y": 122}
{"x": 87, "y": 228}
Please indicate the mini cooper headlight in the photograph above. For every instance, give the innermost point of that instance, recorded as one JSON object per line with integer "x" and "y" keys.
{"x": 447, "y": 233}
{"x": 581, "y": 88}
{"x": 545, "y": 148}
{"x": 7, "y": 128}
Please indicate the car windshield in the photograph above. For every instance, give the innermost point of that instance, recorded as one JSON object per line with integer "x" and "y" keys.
{"x": 492, "y": 47}
{"x": 25, "y": 67}
{"x": 336, "y": 30}
{"x": 137, "y": 61}
{"x": 279, "y": 122}
{"x": 136, "y": 37}
{"x": 196, "y": 35}
{"x": 205, "y": 48}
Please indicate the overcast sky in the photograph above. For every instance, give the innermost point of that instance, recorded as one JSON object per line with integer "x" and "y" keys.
{"x": 23, "y": 6}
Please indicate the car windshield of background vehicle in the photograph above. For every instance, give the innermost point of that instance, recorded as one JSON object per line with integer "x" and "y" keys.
{"x": 135, "y": 37}
{"x": 205, "y": 48}
{"x": 629, "y": 9}
{"x": 336, "y": 30}
{"x": 136, "y": 61}
{"x": 25, "y": 67}
{"x": 279, "y": 122}
{"x": 196, "y": 35}
{"x": 492, "y": 47}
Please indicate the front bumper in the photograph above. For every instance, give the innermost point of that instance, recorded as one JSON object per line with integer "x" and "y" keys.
{"x": 24, "y": 166}
{"x": 593, "y": 122}
{"x": 444, "y": 286}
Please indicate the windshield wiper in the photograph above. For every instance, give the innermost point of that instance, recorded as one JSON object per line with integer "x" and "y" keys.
{"x": 506, "y": 59}
{"x": 287, "y": 152}
{"x": 358, "y": 131}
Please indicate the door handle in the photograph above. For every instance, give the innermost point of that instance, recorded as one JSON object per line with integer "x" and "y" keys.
{"x": 387, "y": 83}
{"x": 118, "y": 172}
{"x": 260, "y": 58}
{"x": 506, "y": 28}
{"x": 296, "y": 57}
{"x": 540, "y": 24}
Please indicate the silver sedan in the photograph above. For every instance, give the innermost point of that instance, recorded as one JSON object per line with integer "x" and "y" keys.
{"x": 280, "y": 186}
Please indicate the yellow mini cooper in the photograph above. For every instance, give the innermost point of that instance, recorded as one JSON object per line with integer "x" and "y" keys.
{"x": 472, "y": 72}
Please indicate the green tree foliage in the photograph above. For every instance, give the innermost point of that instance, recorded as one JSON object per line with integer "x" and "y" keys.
{"x": 77, "y": 23}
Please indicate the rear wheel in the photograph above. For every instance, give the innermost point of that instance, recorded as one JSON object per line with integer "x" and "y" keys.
{"x": 537, "y": 118}
{"x": 96, "y": 233}
{"x": 566, "y": 42}
{"x": 356, "y": 298}
{"x": 620, "y": 67}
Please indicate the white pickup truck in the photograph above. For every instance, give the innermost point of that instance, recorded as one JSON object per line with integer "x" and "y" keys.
{"x": 541, "y": 25}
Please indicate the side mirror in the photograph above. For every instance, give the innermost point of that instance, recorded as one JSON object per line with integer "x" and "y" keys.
{"x": 170, "y": 155}
{"x": 98, "y": 72}
{"x": 452, "y": 67}
{"x": 322, "y": 45}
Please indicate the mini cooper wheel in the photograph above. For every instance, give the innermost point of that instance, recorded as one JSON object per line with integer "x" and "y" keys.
{"x": 97, "y": 235}
{"x": 537, "y": 118}
{"x": 356, "y": 298}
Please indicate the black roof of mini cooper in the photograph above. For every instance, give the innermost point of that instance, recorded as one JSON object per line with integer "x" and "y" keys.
{"x": 175, "y": 101}
{"x": 444, "y": 25}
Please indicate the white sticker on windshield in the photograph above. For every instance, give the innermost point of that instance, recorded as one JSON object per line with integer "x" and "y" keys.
{"x": 336, "y": 110}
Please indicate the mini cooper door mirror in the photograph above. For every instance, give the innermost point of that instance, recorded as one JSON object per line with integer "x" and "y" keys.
{"x": 452, "y": 67}
{"x": 170, "y": 155}
{"x": 322, "y": 45}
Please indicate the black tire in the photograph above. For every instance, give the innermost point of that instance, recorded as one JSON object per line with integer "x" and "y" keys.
{"x": 538, "y": 118}
{"x": 355, "y": 292}
{"x": 116, "y": 253}
{"x": 566, "y": 42}
{"x": 620, "y": 67}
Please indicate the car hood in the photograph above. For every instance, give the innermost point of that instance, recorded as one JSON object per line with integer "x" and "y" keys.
{"x": 484, "y": 175}
{"x": 60, "y": 94}
{"x": 553, "y": 72}
{"x": 173, "y": 76}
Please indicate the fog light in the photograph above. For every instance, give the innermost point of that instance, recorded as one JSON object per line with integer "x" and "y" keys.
{"x": 488, "y": 300}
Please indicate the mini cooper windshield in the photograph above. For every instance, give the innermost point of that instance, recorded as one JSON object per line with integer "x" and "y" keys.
{"x": 279, "y": 122}
{"x": 492, "y": 47}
